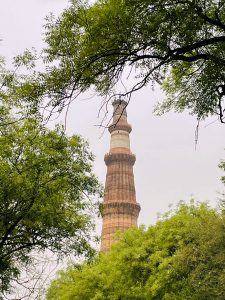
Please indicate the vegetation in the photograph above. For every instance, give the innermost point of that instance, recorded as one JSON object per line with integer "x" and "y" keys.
{"x": 179, "y": 44}
{"x": 181, "y": 257}
{"x": 46, "y": 195}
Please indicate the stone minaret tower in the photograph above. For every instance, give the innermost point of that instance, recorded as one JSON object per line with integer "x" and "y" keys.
{"x": 120, "y": 209}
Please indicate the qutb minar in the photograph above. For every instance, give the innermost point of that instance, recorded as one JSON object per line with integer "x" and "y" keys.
{"x": 120, "y": 209}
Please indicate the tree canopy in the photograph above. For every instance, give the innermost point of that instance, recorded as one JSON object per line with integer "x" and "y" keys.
{"x": 181, "y": 257}
{"x": 47, "y": 194}
{"x": 179, "y": 44}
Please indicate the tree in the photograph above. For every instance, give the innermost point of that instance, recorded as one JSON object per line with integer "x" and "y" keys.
{"x": 181, "y": 257}
{"x": 179, "y": 44}
{"x": 47, "y": 195}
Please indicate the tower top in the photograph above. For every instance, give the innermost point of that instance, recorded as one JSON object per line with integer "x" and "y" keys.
{"x": 119, "y": 107}
{"x": 120, "y": 117}
{"x": 119, "y": 101}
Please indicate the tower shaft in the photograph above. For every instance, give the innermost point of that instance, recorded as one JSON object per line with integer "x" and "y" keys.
{"x": 120, "y": 209}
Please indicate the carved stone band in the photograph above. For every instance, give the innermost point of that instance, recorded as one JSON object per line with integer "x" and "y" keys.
{"x": 125, "y": 127}
{"x": 121, "y": 208}
{"x": 119, "y": 157}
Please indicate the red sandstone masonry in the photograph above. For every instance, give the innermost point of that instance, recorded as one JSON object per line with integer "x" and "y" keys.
{"x": 120, "y": 209}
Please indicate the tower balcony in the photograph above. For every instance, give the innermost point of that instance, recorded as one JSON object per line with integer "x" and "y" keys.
{"x": 119, "y": 158}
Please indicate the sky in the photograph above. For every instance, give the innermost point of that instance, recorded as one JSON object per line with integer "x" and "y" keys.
{"x": 168, "y": 167}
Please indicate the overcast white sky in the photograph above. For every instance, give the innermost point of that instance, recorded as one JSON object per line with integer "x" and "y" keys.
{"x": 168, "y": 168}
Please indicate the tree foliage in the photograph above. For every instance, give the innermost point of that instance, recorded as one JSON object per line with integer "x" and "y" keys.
{"x": 181, "y": 257}
{"x": 179, "y": 44}
{"x": 47, "y": 192}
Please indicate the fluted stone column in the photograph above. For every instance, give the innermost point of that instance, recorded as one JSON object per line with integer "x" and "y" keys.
{"x": 120, "y": 209}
